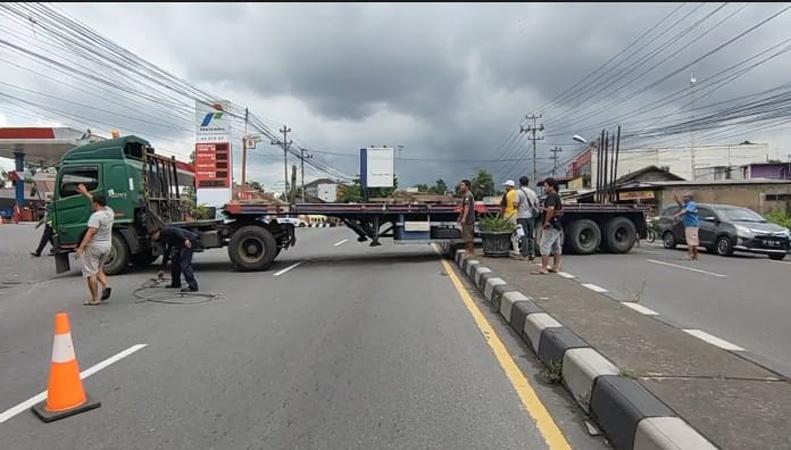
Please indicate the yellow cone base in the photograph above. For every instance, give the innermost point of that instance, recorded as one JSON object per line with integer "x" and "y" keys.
{"x": 50, "y": 416}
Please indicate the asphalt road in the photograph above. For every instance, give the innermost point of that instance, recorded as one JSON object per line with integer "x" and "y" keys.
{"x": 354, "y": 347}
{"x": 743, "y": 299}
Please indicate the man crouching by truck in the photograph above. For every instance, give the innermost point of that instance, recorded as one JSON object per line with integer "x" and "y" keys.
{"x": 179, "y": 246}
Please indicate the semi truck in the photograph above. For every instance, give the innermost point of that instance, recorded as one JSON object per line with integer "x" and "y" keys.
{"x": 146, "y": 189}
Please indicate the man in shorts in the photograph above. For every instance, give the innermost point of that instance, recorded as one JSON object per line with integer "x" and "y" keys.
{"x": 95, "y": 247}
{"x": 551, "y": 229}
{"x": 691, "y": 220}
{"x": 467, "y": 218}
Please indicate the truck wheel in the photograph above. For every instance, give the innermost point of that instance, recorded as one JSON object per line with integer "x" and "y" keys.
{"x": 252, "y": 248}
{"x": 584, "y": 237}
{"x": 668, "y": 240}
{"x": 143, "y": 259}
{"x": 118, "y": 261}
{"x": 620, "y": 235}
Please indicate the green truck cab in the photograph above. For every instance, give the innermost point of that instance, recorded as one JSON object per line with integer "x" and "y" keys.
{"x": 135, "y": 182}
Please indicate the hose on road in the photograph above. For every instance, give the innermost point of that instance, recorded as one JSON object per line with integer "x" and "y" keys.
{"x": 151, "y": 291}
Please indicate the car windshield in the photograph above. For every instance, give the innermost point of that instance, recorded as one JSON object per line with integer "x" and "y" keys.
{"x": 741, "y": 215}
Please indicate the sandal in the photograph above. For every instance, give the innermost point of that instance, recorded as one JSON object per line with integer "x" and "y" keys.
{"x": 90, "y": 303}
{"x": 539, "y": 272}
{"x": 106, "y": 292}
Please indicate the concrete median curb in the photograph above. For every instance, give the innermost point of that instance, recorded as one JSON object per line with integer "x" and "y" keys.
{"x": 630, "y": 416}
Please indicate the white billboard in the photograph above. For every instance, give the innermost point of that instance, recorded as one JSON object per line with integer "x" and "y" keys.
{"x": 377, "y": 167}
{"x": 212, "y": 122}
{"x": 327, "y": 192}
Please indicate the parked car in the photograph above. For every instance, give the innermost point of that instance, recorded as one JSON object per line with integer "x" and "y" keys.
{"x": 726, "y": 228}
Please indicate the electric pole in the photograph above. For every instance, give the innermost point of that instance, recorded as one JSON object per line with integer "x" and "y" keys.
{"x": 244, "y": 153}
{"x": 533, "y": 129}
{"x": 285, "y": 144}
{"x": 692, "y": 82}
{"x": 302, "y": 156}
{"x": 555, "y": 157}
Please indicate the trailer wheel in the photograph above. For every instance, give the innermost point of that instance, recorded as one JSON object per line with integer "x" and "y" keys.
{"x": 118, "y": 260}
{"x": 584, "y": 237}
{"x": 252, "y": 248}
{"x": 620, "y": 235}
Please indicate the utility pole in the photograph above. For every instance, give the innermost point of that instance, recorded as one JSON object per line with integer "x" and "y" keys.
{"x": 692, "y": 81}
{"x": 244, "y": 152}
{"x": 555, "y": 157}
{"x": 285, "y": 144}
{"x": 302, "y": 156}
{"x": 533, "y": 129}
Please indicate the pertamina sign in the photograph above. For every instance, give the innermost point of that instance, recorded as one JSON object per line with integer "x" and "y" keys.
{"x": 213, "y": 153}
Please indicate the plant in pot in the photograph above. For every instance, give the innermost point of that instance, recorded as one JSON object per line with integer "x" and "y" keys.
{"x": 496, "y": 234}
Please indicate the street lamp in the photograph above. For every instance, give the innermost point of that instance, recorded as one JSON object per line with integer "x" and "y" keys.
{"x": 580, "y": 139}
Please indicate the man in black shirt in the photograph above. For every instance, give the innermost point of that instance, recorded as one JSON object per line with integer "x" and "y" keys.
{"x": 551, "y": 229}
{"x": 179, "y": 246}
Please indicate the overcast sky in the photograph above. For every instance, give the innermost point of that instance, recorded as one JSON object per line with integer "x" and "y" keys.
{"x": 445, "y": 81}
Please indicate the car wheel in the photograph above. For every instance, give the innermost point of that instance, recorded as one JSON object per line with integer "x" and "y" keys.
{"x": 724, "y": 246}
{"x": 668, "y": 240}
{"x": 777, "y": 256}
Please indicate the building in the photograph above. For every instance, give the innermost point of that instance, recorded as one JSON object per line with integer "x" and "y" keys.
{"x": 710, "y": 162}
{"x": 324, "y": 189}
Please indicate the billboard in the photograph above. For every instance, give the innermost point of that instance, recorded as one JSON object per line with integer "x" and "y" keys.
{"x": 327, "y": 192}
{"x": 213, "y": 153}
{"x": 212, "y": 122}
{"x": 377, "y": 167}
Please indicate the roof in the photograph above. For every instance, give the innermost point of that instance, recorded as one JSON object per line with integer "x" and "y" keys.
{"x": 637, "y": 173}
{"x": 319, "y": 181}
{"x": 43, "y": 145}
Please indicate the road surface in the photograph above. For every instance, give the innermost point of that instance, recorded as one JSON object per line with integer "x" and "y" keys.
{"x": 339, "y": 345}
{"x": 743, "y": 299}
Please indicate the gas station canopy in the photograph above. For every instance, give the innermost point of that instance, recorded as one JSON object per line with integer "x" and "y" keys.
{"x": 42, "y": 145}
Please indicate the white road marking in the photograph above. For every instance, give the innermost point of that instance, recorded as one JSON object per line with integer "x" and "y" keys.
{"x": 594, "y": 288}
{"x": 640, "y": 308}
{"x": 287, "y": 269}
{"x": 566, "y": 275}
{"x": 340, "y": 243}
{"x": 27, "y": 404}
{"x": 714, "y": 340}
{"x": 691, "y": 269}
{"x": 781, "y": 262}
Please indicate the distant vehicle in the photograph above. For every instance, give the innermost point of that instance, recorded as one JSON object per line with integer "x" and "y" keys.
{"x": 725, "y": 229}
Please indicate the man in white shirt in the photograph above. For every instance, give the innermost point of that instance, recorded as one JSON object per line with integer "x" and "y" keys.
{"x": 527, "y": 212}
{"x": 95, "y": 247}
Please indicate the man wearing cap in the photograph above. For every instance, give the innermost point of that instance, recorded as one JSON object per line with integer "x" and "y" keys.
{"x": 691, "y": 220}
{"x": 510, "y": 202}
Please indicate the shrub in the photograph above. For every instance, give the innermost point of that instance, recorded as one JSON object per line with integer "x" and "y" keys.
{"x": 496, "y": 224}
{"x": 780, "y": 218}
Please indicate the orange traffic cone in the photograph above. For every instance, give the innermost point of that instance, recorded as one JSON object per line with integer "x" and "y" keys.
{"x": 65, "y": 394}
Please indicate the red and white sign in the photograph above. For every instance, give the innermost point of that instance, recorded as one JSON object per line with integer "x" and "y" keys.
{"x": 213, "y": 165}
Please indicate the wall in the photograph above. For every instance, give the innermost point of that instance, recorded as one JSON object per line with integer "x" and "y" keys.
{"x": 776, "y": 171}
{"x": 761, "y": 198}
{"x": 679, "y": 161}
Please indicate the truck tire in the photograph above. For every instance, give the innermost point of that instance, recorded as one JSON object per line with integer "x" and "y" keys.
{"x": 584, "y": 237}
{"x": 143, "y": 259}
{"x": 252, "y": 248}
{"x": 620, "y": 235}
{"x": 118, "y": 261}
{"x": 777, "y": 256}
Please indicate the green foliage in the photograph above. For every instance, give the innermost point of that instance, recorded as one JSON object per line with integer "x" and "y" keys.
{"x": 422, "y": 187}
{"x": 255, "y": 186}
{"x": 779, "y": 217}
{"x": 439, "y": 188}
{"x": 495, "y": 224}
{"x": 354, "y": 192}
{"x": 482, "y": 185}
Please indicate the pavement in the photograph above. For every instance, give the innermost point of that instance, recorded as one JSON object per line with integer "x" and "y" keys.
{"x": 743, "y": 299}
{"x": 722, "y": 391}
{"x": 338, "y": 345}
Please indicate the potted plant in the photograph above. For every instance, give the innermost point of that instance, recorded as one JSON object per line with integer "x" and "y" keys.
{"x": 496, "y": 234}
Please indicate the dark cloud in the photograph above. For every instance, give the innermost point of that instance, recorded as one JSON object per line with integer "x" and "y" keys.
{"x": 444, "y": 80}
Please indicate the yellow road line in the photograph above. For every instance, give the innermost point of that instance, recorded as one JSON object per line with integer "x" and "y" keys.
{"x": 546, "y": 425}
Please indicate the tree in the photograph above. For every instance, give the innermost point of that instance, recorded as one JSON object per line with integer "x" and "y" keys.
{"x": 354, "y": 192}
{"x": 422, "y": 188}
{"x": 439, "y": 188}
{"x": 255, "y": 186}
{"x": 482, "y": 184}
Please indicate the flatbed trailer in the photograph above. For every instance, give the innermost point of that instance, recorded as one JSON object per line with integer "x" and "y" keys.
{"x": 255, "y": 233}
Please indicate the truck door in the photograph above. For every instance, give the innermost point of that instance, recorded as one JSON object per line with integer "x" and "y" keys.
{"x": 72, "y": 210}
{"x": 116, "y": 188}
